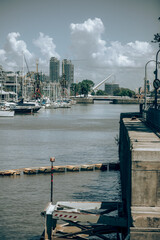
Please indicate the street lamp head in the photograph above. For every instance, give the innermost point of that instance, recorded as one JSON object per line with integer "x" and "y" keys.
{"x": 52, "y": 159}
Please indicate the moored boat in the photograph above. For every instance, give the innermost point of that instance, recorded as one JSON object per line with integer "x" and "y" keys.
{"x": 62, "y": 104}
{"x": 26, "y": 107}
{"x": 6, "y": 111}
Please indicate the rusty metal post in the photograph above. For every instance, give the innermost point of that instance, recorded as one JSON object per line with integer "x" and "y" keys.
{"x": 50, "y": 223}
{"x": 52, "y": 159}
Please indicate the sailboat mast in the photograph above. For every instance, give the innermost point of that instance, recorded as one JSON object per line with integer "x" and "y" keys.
{"x": 37, "y": 66}
{"x": 22, "y": 75}
{"x": 16, "y": 88}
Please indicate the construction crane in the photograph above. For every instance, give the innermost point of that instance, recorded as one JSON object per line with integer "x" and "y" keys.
{"x": 37, "y": 92}
{"x": 29, "y": 73}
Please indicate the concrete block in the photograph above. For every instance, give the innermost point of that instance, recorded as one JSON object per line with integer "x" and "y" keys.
{"x": 29, "y": 171}
{"x": 114, "y": 166}
{"x": 59, "y": 169}
{"x": 8, "y": 173}
{"x": 43, "y": 169}
{"x": 17, "y": 173}
{"x": 144, "y": 188}
{"x": 72, "y": 168}
{"x": 105, "y": 167}
{"x": 144, "y": 234}
{"x": 145, "y": 166}
{"x": 98, "y": 166}
{"x": 87, "y": 168}
{"x": 47, "y": 170}
{"x": 146, "y": 154}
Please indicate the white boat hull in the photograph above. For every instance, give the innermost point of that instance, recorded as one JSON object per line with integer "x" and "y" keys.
{"x": 6, "y": 113}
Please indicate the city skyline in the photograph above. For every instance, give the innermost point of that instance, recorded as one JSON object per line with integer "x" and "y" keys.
{"x": 99, "y": 37}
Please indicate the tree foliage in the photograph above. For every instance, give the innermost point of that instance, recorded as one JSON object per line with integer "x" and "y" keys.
{"x": 123, "y": 92}
{"x": 82, "y": 88}
{"x": 74, "y": 89}
{"x": 93, "y": 93}
{"x": 156, "y": 38}
{"x": 100, "y": 93}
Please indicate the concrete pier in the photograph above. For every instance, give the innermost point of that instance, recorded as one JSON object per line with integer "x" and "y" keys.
{"x": 83, "y": 100}
{"x": 139, "y": 152}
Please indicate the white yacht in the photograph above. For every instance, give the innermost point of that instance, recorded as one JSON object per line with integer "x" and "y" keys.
{"x": 5, "y": 110}
{"x": 26, "y": 107}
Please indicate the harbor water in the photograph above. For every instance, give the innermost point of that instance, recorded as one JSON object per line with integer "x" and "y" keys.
{"x": 82, "y": 134}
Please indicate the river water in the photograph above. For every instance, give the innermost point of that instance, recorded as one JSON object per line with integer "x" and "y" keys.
{"x": 83, "y": 134}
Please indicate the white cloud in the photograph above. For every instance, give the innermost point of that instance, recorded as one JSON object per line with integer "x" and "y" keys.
{"x": 126, "y": 61}
{"x": 87, "y": 43}
{"x": 86, "y": 38}
{"x": 11, "y": 57}
{"x": 16, "y": 47}
{"x": 99, "y": 57}
{"x": 90, "y": 26}
{"x": 2, "y": 55}
{"x": 46, "y": 46}
{"x": 138, "y": 47}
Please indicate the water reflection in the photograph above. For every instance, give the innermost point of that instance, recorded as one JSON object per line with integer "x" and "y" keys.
{"x": 82, "y": 134}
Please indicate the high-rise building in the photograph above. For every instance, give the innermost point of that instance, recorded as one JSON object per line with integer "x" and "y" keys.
{"x": 110, "y": 87}
{"x": 68, "y": 71}
{"x": 54, "y": 69}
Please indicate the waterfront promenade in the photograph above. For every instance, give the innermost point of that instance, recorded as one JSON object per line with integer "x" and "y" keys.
{"x": 139, "y": 151}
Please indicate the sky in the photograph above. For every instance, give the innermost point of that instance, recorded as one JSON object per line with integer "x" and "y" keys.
{"x": 100, "y": 37}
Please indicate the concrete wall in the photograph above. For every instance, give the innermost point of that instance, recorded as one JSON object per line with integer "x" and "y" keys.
{"x": 153, "y": 118}
{"x": 139, "y": 153}
{"x": 83, "y": 100}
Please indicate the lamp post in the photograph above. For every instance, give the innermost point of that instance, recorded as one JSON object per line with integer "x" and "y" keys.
{"x": 156, "y": 78}
{"x": 52, "y": 159}
{"x": 145, "y": 84}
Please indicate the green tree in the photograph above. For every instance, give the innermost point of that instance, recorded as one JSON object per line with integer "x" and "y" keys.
{"x": 83, "y": 87}
{"x": 156, "y": 38}
{"x": 86, "y": 86}
{"x": 74, "y": 89}
{"x": 117, "y": 92}
{"x": 100, "y": 93}
{"x": 90, "y": 83}
{"x": 79, "y": 88}
{"x": 123, "y": 92}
